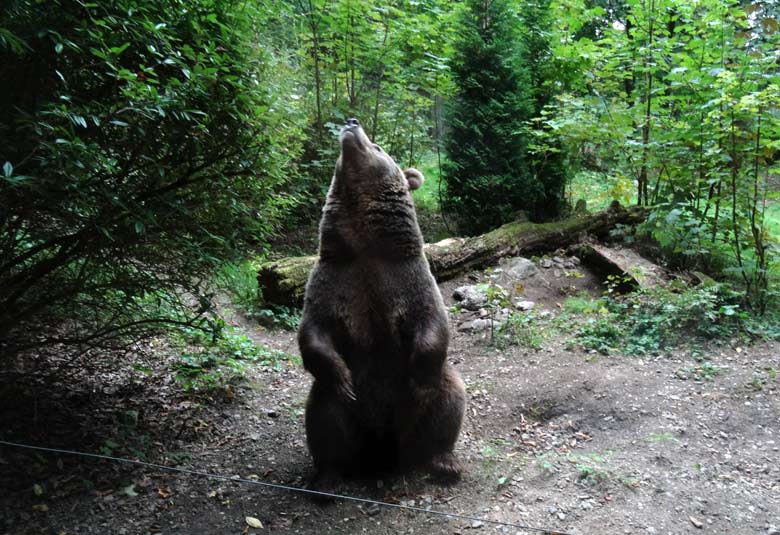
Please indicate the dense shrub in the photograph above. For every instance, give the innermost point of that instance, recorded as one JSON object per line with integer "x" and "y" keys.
{"x": 142, "y": 144}
{"x": 502, "y": 154}
{"x": 486, "y": 173}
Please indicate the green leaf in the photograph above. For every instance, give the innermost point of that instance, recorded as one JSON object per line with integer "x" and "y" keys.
{"x": 130, "y": 490}
{"x": 8, "y": 169}
{"x": 116, "y": 50}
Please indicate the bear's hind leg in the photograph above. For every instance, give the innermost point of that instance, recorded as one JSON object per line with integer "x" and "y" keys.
{"x": 428, "y": 439}
{"x": 333, "y": 437}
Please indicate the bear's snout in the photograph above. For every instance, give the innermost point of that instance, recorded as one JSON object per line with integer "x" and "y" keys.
{"x": 352, "y": 122}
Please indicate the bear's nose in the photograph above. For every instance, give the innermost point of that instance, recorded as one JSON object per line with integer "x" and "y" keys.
{"x": 352, "y": 122}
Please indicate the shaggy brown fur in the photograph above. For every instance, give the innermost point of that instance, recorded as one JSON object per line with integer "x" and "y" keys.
{"x": 374, "y": 331}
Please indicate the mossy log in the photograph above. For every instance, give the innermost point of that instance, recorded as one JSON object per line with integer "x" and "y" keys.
{"x": 283, "y": 281}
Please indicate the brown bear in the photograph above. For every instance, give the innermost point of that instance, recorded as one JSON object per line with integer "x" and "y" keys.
{"x": 374, "y": 330}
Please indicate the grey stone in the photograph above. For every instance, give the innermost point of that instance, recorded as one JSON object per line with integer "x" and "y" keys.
{"x": 517, "y": 269}
{"x": 470, "y": 297}
{"x": 477, "y": 325}
{"x": 524, "y": 305}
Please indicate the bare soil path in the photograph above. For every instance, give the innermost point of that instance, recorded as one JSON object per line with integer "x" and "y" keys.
{"x": 555, "y": 438}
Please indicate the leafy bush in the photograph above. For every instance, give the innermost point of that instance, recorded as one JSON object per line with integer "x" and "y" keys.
{"x": 239, "y": 281}
{"x": 521, "y": 329}
{"x": 279, "y": 317}
{"x": 214, "y": 362}
{"x": 143, "y": 144}
{"x": 655, "y": 320}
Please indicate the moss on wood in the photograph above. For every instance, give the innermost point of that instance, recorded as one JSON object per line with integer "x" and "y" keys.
{"x": 283, "y": 281}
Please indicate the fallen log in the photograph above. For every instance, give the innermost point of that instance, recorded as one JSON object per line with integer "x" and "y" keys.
{"x": 283, "y": 281}
{"x": 633, "y": 270}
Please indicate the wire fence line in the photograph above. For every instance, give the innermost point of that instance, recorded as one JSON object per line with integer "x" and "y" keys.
{"x": 288, "y": 488}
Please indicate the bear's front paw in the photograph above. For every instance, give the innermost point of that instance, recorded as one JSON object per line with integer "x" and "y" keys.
{"x": 345, "y": 392}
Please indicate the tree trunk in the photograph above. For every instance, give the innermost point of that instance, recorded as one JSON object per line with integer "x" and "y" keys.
{"x": 283, "y": 281}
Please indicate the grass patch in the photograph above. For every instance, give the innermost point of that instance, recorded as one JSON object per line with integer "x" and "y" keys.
{"x": 239, "y": 281}
{"x": 427, "y": 197}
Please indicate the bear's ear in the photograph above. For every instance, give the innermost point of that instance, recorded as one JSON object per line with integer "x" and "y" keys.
{"x": 414, "y": 178}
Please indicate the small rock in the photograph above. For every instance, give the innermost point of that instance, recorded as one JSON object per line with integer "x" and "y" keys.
{"x": 372, "y": 510}
{"x": 524, "y": 305}
{"x": 470, "y": 297}
{"x": 517, "y": 269}
{"x": 477, "y": 325}
{"x": 557, "y": 260}
{"x": 552, "y": 509}
{"x": 272, "y": 413}
{"x": 546, "y": 263}
{"x": 253, "y": 522}
{"x": 477, "y": 524}
{"x": 696, "y": 522}
{"x": 773, "y": 530}
{"x": 561, "y": 516}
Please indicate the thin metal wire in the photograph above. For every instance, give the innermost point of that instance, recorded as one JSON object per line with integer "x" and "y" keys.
{"x": 284, "y": 487}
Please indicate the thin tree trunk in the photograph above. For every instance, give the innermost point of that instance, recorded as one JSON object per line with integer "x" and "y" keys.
{"x": 642, "y": 186}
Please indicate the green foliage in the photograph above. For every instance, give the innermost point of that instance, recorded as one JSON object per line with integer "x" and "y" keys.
{"x": 143, "y": 144}
{"x": 582, "y": 304}
{"x": 680, "y": 99}
{"x": 503, "y": 152}
{"x": 599, "y": 189}
{"x": 279, "y": 316}
{"x": 547, "y": 162}
{"x": 213, "y": 362}
{"x": 426, "y": 198}
{"x": 520, "y": 329}
{"x": 655, "y": 320}
{"x": 239, "y": 281}
{"x": 706, "y": 371}
{"x": 382, "y": 63}
{"x": 486, "y": 172}
{"x": 601, "y": 334}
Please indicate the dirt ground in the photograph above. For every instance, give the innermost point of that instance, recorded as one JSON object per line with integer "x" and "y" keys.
{"x": 555, "y": 438}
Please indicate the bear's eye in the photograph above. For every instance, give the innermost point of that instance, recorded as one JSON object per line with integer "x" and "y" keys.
{"x": 377, "y": 147}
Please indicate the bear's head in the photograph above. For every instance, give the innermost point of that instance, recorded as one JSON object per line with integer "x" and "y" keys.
{"x": 362, "y": 160}
{"x": 369, "y": 208}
